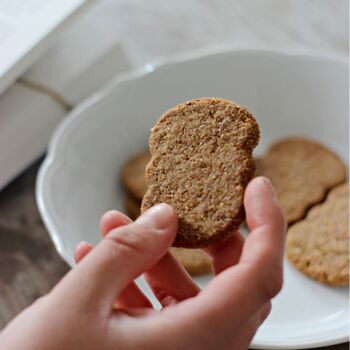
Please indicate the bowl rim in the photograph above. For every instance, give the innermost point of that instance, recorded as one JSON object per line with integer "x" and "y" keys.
{"x": 77, "y": 114}
{"x": 51, "y": 162}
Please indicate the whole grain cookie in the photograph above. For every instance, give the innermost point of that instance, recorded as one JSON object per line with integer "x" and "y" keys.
{"x": 301, "y": 171}
{"x": 319, "y": 245}
{"x": 132, "y": 207}
{"x": 195, "y": 261}
{"x": 201, "y": 163}
{"x": 133, "y": 174}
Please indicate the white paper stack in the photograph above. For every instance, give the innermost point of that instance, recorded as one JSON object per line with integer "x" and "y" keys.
{"x": 27, "y": 29}
{"x": 83, "y": 60}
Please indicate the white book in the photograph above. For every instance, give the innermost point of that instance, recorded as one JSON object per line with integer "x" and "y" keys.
{"x": 27, "y": 28}
{"x": 27, "y": 119}
{"x": 85, "y": 56}
{"x": 84, "y": 59}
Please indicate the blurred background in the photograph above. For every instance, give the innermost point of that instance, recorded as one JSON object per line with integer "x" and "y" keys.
{"x": 154, "y": 28}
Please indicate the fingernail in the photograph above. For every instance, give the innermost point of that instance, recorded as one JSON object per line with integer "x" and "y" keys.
{"x": 112, "y": 214}
{"x": 160, "y": 216}
{"x": 267, "y": 184}
{"x": 81, "y": 245}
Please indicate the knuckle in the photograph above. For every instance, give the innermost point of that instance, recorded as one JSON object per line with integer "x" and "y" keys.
{"x": 127, "y": 239}
{"x": 274, "y": 285}
{"x": 265, "y": 312}
{"x": 282, "y": 218}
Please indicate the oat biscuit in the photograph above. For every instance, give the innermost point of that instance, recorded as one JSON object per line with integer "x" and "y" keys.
{"x": 301, "y": 171}
{"x": 133, "y": 174}
{"x": 319, "y": 245}
{"x": 132, "y": 207}
{"x": 195, "y": 261}
{"x": 201, "y": 163}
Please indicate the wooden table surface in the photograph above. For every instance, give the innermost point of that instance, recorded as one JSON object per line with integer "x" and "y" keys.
{"x": 29, "y": 264}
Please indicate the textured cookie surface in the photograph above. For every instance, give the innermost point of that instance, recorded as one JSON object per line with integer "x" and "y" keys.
{"x": 301, "y": 171}
{"x": 195, "y": 261}
{"x": 133, "y": 174}
{"x": 319, "y": 245}
{"x": 201, "y": 163}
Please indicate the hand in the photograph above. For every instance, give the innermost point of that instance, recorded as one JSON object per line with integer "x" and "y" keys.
{"x": 97, "y": 306}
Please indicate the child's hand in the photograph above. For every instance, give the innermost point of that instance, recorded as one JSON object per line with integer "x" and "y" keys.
{"x": 97, "y": 306}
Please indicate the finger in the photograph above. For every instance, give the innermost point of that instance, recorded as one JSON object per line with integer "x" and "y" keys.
{"x": 264, "y": 247}
{"x": 227, "y": 335}
{"x": 81, "y": 250}
{"x": 245, "y": 287}
{"x": 111, "y": 220}
{"x": 131, "y": 296}
{"x": 170, "y": 282}
{"x": 249, "y": 329}
{"x": 227, "y": 253}
{"x": 134, "y": 312}
{"x": 257, "y": 320}
{"x": 123, "y": 255}
{"x": 265, "y": 312}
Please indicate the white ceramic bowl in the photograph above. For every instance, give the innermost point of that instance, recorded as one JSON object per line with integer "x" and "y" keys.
{"x": 288, "y": 94}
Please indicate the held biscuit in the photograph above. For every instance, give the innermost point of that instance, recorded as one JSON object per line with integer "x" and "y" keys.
{"x": 194, "y": 261}
{"x": 201, "y": 163}
{"x": 319, "y": 245}
{"x": 133, "y": 174}
{"x": 301, "y": 171}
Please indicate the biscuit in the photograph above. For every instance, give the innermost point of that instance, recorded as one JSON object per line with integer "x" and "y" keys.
{"x": 201, "y": 163}
{"x": 133, "y": 174}
{"x": 301, "y": 171}
{"x": 319, "y": 245}
{"x": 132, "y": 207}
{"x": 195, "y": 261}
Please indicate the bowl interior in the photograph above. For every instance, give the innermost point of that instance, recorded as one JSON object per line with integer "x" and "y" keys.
{"x": 289, "y": 95}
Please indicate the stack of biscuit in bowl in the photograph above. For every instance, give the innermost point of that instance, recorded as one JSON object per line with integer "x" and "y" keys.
{"x": 200, "y": 162}
{"x": 310, "y": 182}
{"x": 195, "y": 261}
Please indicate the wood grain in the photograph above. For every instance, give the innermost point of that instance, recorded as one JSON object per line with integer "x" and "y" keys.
{"x": 29, "y": 263}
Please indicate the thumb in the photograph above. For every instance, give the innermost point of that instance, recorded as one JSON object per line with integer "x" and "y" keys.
{"x": 123, "y": 255}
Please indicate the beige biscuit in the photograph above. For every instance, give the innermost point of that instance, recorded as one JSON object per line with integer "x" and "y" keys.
{"x": 319, "y": 245}
{"x": 301, "y": 171}
{"x": 201, "y": 163}
{"x": 133, "y": 174}
{"x": 132, "y": 207}
{"x": 195, "y": 261}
